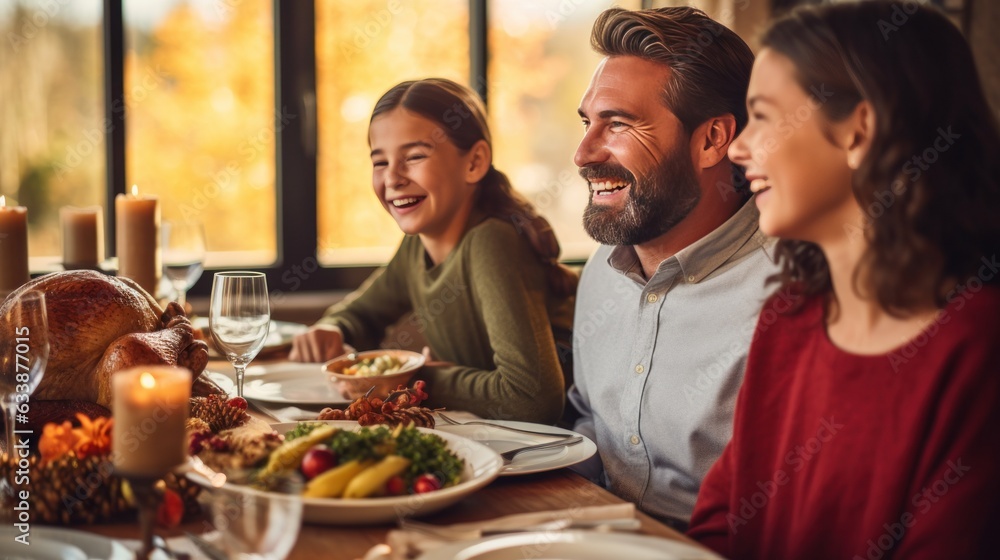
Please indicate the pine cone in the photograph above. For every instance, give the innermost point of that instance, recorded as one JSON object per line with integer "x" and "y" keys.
{"x": 218, "y": 413}
{"x": 69, "y": 490}
{"x": 187, "y": 490}
{"x": 420, "y": 416}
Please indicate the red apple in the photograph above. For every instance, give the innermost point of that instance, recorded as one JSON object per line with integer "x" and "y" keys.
{"x": 396, "y": 486}
{"x": 318, "y": 460}
{"x": 426, "y": 483}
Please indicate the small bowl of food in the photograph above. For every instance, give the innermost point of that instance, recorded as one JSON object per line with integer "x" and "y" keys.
{"x": 356, "y": 373}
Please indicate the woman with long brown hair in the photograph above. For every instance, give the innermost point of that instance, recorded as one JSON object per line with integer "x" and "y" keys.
{"x": 867, "y": 423}
{"x": 477, "y": 267}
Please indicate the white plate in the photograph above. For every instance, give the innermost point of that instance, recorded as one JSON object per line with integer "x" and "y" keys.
{"x": 577, "y": 545}
{"x": 61, "y": 544}
{"x": 481, "y": 466}
{"x": 284, "y": 382}
{"x": 501, "y": 440}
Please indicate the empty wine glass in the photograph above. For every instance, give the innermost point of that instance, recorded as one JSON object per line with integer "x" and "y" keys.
{"x": 255, "y": 523}
{"x": 24, "y": 352}
{"x": 183, "y": 245}
{"x": 239, "y": 316}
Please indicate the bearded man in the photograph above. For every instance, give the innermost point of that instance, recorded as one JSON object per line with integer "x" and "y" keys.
{"x": 667, "y": 305}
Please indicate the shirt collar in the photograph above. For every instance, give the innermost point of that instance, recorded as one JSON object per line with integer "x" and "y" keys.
{"x": 701, "y": 258}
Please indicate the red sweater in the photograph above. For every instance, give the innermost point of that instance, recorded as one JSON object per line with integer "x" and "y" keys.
{"x": 837, "y": 455}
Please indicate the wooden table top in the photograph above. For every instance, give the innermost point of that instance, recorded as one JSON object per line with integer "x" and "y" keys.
{"x": 553, "y": 490}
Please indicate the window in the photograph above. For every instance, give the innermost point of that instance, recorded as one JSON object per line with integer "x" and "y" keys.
{"x": 541, "y": 63}
{"x": 52, "y": 142}
{"x": 199, "y": 92}
{"x": 364, "y": 48}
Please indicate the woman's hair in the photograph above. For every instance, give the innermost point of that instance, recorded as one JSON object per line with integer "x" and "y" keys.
{"x": 709, "y": 64}
{"x": 929, "y": 185}
{"x": 461, "y": 116}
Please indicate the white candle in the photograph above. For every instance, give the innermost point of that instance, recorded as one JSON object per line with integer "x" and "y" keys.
{"x": 13, "y": 246}
{"x": 83, "y": 236}
{"x": 150, "y": 409}
{"x": 137, "y": 224}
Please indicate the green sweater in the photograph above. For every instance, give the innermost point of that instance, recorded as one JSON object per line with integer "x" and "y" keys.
{"x": 487, "y": 309}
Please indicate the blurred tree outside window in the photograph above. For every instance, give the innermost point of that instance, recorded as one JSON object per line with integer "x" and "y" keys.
{"x": 363, "y": 48}
{"x": 199, "y": 90}
{"x": 52, "y": 140}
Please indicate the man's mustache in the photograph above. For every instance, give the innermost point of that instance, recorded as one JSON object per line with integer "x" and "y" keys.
{"x": 606, "y": 171}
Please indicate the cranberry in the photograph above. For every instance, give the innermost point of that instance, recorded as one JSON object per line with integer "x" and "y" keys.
{"x": 396, "y": 486}
{"x": 238, "y": 402}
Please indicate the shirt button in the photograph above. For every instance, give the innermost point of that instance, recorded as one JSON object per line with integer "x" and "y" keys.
{"x": 690, "y": 278}
{"x": 639, "y": 368}
{"x": 651, "y": 298}
{"x": 634, "y": 439}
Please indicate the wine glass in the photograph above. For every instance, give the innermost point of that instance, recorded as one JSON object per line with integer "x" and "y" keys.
{"x": 257, "y": 522}
{"x": 183, "y": 245}
{"x": 24, "y": 352}
{"x": 239, "y": 316}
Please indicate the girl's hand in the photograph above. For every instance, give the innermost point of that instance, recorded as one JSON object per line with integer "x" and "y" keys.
{"x": 429, "y": 360}
{"x": 319, "y": 344}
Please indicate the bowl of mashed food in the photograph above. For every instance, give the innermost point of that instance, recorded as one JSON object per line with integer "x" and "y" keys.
{"x": 355, "y": 374}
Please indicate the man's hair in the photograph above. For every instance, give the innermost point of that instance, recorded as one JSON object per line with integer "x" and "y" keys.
{"x": 710, "y": 65}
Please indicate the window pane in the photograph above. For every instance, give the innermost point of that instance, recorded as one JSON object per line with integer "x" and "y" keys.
{"x": 199, "y": 91}
{"x": 362, "y": 49}
{"x": 540, "y": 64}
{"x": 52, "y": 137}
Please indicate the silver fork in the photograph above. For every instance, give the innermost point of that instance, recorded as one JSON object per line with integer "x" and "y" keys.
{"x": 508, "y": 456}
{"x": 454, "y": 422}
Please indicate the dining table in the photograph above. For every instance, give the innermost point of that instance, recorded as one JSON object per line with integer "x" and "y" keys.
{"x": 560, "y": 489}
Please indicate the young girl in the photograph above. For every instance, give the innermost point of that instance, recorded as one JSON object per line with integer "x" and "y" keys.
{"x": 868, "y": 425}
{"x": 477, "y": 267}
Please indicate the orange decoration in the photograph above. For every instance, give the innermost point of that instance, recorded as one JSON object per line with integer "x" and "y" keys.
{"x": 56, "y": 441}
{"x": 93, "y": 436}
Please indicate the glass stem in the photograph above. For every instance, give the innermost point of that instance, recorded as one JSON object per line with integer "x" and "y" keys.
{"x": 9, "y": 419}
{"x": 241, "y": 370}
{"x": 181, "y": 290}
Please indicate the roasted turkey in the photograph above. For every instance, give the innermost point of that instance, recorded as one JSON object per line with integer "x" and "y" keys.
{"x": 99, "y": 325}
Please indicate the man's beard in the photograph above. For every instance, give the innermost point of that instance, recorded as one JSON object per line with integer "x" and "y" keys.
{"x": 653, "y": 206}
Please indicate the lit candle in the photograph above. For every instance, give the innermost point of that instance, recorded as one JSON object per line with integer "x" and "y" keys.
{"x": 83, "y": 236}
{"x": 137, "y": 221}
{"x": 13, "y": 246}
{"x": 150, "y": 409}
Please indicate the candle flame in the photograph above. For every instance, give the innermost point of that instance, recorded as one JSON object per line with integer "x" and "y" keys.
{"x": 135, "y": 190}
{"x": 147, "y": 380}
{"x": 3, "y": 201}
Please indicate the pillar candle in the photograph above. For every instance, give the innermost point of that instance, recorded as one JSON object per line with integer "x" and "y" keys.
{"x": 137, "y": 224}
{"x": 13, "y": 246}
{"x": 83, "y": 236}
{"x": 150, "y": 408}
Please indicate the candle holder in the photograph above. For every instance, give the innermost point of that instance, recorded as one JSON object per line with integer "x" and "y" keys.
{"x": 147, "y": 500}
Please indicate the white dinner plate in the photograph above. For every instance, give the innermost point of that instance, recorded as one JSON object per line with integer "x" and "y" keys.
{"x": 501, "y": 440}
{"x": 577, "y": 545}
{"x": 284, "y": 382}
{"x": 61, "y": 544}
{"x": 481, "y": 466}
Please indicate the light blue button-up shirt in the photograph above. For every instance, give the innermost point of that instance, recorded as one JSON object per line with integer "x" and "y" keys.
{"x": 658, "y": 363}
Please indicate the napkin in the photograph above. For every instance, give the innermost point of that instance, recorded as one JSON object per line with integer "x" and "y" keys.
{"x": 406, "y": 544}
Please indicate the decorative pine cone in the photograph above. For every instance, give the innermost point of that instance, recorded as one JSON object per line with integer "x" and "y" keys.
{"x": 69, "y": 490}
{"x": 187, "y": 490}
{"x": 218, "y": 413}
{"x": 420, "y": 416}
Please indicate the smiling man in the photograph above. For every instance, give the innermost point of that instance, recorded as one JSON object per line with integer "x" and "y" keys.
{"x": 667, "y": 306}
